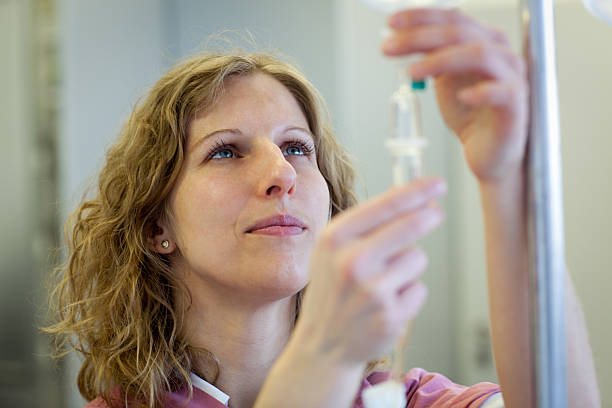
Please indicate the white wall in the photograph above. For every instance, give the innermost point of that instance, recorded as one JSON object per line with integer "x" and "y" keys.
{"x": 585, "y": 86}
{"x": 16, "y": 267}
{"x": 109, "y": 54}
{"x": 301, "y": 30}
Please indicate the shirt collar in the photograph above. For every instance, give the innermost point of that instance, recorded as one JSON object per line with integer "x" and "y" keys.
{"x": 209, "y": 389}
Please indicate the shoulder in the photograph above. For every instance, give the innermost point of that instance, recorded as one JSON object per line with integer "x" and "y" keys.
{"x": 115, "y": 397}
{"x": 97, "y": 403}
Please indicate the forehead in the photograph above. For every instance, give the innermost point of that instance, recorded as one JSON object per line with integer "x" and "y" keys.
{"x": 249, "y": 100}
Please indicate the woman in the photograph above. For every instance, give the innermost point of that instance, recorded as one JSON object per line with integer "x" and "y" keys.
{"x": 188, "y": 267}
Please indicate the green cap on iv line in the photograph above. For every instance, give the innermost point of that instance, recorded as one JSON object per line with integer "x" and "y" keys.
{"x": 418, "y": 84}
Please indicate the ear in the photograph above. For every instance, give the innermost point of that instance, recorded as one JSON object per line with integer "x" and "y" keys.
{"x": 161, "y": 240}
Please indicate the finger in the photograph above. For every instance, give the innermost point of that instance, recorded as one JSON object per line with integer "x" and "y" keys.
{"x": 493, "y": 93}
{"x": 370, "y": 254}
{"x": 362, "y": 219}
{"x": 411, "y": 300}
{"x": 419, "y": 17}
{"x": 490, "y": 61}
{"x": 430, "y": 38}
{"x": 403, "y": 270}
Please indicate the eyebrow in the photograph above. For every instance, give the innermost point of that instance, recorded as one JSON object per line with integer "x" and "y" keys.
{"x": 208, "y": 136}
{"x": 238, "y": 132}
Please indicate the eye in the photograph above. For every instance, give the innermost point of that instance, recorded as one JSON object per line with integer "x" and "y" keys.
{"x": 299, "y": 148}
{"x": 294, "y": 151}
{"x": 222, "y": 154}
{"x": 221, "y": 150}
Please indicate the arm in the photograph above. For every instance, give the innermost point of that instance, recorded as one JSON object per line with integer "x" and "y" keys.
{"x": 507, "y": 265}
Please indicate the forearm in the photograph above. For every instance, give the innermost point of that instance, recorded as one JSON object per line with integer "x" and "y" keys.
{"x": 505, "y": 215}
{"x": 303, "y": 378}
{"x": 508, "y": 278}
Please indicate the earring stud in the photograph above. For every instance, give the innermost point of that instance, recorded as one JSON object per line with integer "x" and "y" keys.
{"x": 165, "y": 243}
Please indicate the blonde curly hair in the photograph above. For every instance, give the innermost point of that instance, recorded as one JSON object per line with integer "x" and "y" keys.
{"x": 115, "y": 298}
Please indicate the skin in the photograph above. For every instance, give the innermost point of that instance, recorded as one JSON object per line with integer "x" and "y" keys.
{"x": 364, "y": 268}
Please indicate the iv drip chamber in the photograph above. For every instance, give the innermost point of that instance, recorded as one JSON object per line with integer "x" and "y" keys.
{"x": 406, "y": 143}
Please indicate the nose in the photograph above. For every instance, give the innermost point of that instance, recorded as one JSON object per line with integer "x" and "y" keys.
{"x": 276, "y": 175}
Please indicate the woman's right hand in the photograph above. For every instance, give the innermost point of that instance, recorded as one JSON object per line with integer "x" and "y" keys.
{"x": 365, "y": 271}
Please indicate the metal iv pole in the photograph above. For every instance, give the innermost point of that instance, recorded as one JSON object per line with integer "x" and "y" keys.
{"x": 545, "y": 209}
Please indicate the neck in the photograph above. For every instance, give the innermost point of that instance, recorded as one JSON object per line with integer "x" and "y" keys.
{"x": 245, "y": 337}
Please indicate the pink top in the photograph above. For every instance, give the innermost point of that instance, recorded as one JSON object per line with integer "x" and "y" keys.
{"x": 423, "y": 390}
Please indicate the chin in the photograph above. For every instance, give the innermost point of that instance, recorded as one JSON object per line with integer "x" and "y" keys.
{"x": 283, "y": 284}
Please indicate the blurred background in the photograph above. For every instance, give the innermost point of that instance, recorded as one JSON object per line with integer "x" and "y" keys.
{"x": 72, "y": 70}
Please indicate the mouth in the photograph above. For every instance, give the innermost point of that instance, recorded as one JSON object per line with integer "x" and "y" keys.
{"x": 279, "y": 225}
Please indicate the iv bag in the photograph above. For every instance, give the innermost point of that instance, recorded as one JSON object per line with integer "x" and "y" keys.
{"x": 600, "y": 8}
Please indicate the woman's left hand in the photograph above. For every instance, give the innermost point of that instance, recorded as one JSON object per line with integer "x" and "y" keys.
{"x": 480, "y": 84}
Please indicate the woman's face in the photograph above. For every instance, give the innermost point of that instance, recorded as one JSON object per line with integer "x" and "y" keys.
{"x": 250, "y": 167}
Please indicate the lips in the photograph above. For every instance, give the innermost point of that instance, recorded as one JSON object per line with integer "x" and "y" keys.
{"x": 281, "y": 221}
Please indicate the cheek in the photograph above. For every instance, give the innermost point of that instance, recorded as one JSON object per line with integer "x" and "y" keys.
{"x": 318, "y": 198}
{"x": 204, "y": 206}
